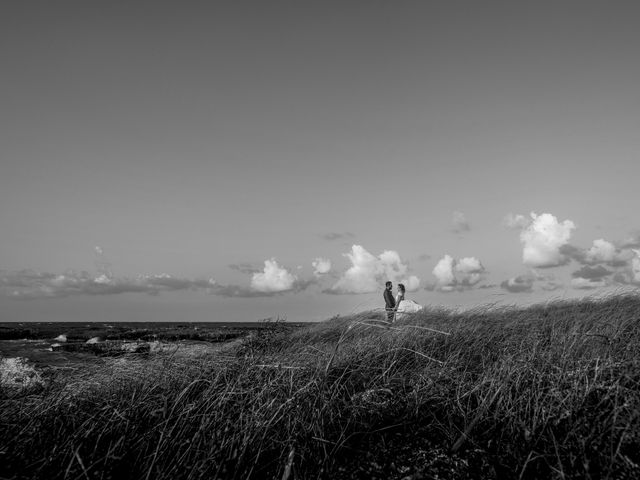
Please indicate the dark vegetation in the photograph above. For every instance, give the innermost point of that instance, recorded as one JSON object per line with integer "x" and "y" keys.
{"x": 551, "y": 391}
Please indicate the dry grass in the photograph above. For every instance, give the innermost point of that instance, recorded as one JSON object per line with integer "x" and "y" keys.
{"x": 551, "y": 391}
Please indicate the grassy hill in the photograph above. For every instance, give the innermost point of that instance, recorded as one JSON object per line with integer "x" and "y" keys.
{"x": 550, "y": 391}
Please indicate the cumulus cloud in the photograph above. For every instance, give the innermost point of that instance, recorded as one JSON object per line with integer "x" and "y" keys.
{"x": 543, "y": 239}
{"x": 589, "y": 277}
{"x": 368, "y": 272}
{"x": 459, "y": 222}
{"x": 591, "y": 273}
{"x": 443, "y": 271}
{"x": 469, "y": 270}
{"x": 632, "y": 274}
{"x": 30, "y": 284}
{"x": 635, "y": 267}
{"x": 273, "y": 279}
{"x": 601, "y": 252}
{"x": 411, "y": 284}
{"x": 321, "y": 266}
{"x": 521, "y": 283}
{"x": 450, "y": 272}
{"x": 581, "y": 283}
{"x": 516, "y": 222}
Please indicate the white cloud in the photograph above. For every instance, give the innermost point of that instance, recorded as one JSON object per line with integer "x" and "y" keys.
{"x": 443, "y": 272}
{"x": 450, "y": 272}
{"x": 469, "y": 270}
{"x": 586, "y": 283}
{"x": 459, "y": 222}
{"x": 103, "y": 279}
{"x": 631, "y": 274}
{"x": 273, "y": 279}
{"x": 601, "y": 252}
{"x": 515, "y": 222}
{"x": 321, "y": 266}
{"x": 412, "y": 283}
{"x": 635, "y": 267}
{"x": 632, "y": 241}
{"x": 368, "y": 272}
{"x": 521, "y": 283}
{"x": 542, "y": 240}
{"x": 28, "y": 284}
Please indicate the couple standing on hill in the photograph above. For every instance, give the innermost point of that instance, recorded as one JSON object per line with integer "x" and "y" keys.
{"x": 398, "y": 306}
{"x": 391, "y": 304}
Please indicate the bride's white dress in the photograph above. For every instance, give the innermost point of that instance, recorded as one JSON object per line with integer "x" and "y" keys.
{"x": 406, "y": 307}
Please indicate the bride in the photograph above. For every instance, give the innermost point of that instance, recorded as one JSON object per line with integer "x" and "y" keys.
{"x": 403, "y": 306}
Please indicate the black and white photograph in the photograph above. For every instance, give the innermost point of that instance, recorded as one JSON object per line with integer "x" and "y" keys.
{"x": 357, "y": 239}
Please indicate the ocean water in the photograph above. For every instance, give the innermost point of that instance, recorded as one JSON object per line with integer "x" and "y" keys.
{"x": 33, "y": 341}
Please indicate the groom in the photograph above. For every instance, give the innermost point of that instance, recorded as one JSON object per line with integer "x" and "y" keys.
{"x": 389, "y": 301}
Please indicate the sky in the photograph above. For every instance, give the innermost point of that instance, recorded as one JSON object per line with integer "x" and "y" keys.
{"x": 236, "y": 161}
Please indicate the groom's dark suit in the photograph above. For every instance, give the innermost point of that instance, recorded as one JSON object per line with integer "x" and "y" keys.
{"x": 390, "y": 303}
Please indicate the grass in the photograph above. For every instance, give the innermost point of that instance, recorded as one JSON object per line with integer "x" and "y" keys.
{"x": 550, "y": 391}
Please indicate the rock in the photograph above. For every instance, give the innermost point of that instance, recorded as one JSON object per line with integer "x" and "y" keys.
{"x": 61, "y": 338}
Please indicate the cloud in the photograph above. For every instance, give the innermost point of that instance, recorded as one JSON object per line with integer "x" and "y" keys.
{"x": 239, "y": 291}
{"x": 321, "y": 266}
{"x": 450, "y": 272}
{"x": 601, "y": 252}
{"x": 244, "y": 268}
{"x": 589, "y": 277}
{"x": 574, "y": 253}
{"x": 635, "y": 267}
{"x": 591, "y": 273}
{"x": 632, "y": 274}
{"x": 521, "y": 283}
{"x": 443, "y": 271}
{"x": 273, "y": 279}
{"x": 587, "y": 283}
{"x": 551, "y": 286}
{"x": 368, "y": 272}
{"x": 632, "y": 241}
{"x": 546, "y": 281}
{"x": 469, "y": 270}
{"x": 543, "y": 239}
{"x": 331, "y": 236}
{"x": 30, "y": 284}
{"x": 459, "y": 222}
{"x": 411, "y": 284}
{"x": 515, "y": 222}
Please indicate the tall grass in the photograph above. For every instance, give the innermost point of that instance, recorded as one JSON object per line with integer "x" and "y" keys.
{"x": 550, "y": 391}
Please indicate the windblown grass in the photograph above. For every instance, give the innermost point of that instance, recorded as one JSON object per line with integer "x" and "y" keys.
{"x": 551, "y": 391}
